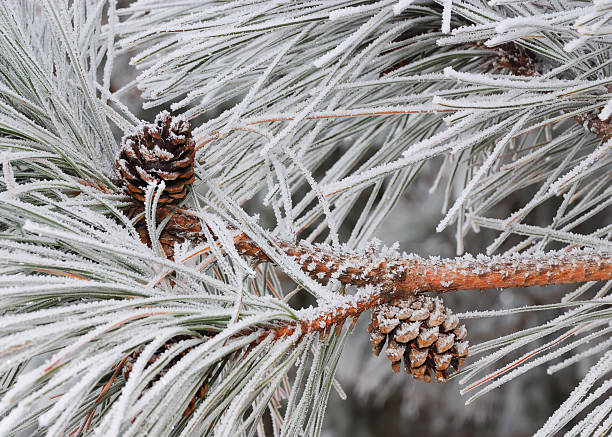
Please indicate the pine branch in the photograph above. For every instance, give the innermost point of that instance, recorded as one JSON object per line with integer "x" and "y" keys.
{"x": 307, "y": 78}
{"x": 400, "y": 277}
{"x": 386, "y": 277}
{"x": 412, "y": 273}
{"x": 391, "y": 277}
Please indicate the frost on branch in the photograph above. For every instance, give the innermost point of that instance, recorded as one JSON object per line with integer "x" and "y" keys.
{"x": 409, "y": 273}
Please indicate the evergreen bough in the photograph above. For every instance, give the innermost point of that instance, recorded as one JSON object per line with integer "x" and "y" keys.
{"x": 324, "y": 113}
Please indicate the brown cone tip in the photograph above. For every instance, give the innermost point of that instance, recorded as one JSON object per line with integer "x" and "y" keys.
{"x": 160, "y": 151}
{"x": 423, "y": 333}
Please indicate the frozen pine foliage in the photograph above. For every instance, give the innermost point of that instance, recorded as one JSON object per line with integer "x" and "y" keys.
{"x": 155, "y": 276}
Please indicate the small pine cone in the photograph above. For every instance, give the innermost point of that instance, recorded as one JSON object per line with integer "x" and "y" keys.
{"x": 423, "y": 332}
{"x": 514, "y": 58}
{"x": 159, "y": 151}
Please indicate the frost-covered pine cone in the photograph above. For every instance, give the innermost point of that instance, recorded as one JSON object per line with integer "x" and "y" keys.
{"x": 423, "y": 332}
{"x": 591, "y": 122}
{"x": 160, "y": 151}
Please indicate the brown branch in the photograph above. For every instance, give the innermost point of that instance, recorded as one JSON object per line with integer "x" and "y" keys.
{"x": 432, "y": 275}
{"x": 415, "y": 274}
{"x": 412, "y": 274}
{"x": 322, "y": 263}
{"x": 397, "y": 277}
{"x": 518, "y": 270}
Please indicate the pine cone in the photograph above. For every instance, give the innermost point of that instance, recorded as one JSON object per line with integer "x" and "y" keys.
{"x": 591, "y": 122}
{"x": 159, "y": 151}
{"x": 424, "y": 332}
